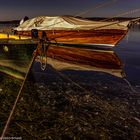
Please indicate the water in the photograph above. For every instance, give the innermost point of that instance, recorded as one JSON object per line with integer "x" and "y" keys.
{"x": 14, "y": 59}
{"x": 128, "y": 51}
{"x": 5, "y": 25}
{"x": 74, "y": 101}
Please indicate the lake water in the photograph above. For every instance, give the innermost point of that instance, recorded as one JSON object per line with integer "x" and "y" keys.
{"x": 128, "y": 51}
{"x": 75, "y": 102}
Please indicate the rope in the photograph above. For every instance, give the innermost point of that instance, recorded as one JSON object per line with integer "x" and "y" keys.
{"x": 98, "y": 6}
{"x": 130, "y": 86}
{"x": 16, "y": 101}
{"x": 123, "y": 14}
{"x": 45, "y": 43}
{"x": 136, "y": 19}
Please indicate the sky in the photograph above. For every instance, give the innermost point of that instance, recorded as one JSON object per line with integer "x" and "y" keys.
{"x": 17, "y": 9}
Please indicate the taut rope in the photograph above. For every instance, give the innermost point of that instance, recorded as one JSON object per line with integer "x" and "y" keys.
{"x": 16, "y": 101}
{"x": 97, "y": 7}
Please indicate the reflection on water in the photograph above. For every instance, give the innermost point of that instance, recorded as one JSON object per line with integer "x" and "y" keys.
{"x": 128, "y": 51}
{"x": 14, "y": 60}
{"x": 65, "y": 58}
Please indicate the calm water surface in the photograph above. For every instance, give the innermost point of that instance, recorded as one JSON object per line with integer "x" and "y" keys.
{"x": 128, "y": 51}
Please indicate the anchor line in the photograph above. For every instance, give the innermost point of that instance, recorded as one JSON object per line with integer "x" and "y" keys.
{"x": 17, "y": 99}
{"x": 130, "y": 85}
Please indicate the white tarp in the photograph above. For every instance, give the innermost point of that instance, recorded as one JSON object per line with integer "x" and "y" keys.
{"x": 68, "y": 23}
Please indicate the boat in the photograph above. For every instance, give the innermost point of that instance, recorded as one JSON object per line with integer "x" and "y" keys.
{"x": 68, "y": 30}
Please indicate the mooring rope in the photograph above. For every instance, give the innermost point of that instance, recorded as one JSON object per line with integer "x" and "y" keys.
{"x": 16, "y": 101}
{"x": 45, "y": 43}
{"x": 130, "y": 86}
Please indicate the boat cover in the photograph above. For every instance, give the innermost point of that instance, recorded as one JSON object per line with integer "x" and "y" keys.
{"x": 68, "y": 23}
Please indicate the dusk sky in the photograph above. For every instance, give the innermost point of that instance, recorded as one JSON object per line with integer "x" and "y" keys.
{"x": 17, "y": 9}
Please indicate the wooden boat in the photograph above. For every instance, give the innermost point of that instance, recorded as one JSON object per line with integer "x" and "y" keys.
{"x": 70, "y": 30}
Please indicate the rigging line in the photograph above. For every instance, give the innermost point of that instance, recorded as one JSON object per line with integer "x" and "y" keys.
{"x": 98, "y": 6}
{"x": 17, "y": 99}
{"x": 135, "y": 19}
{"x": 123, "y": 14}
{"x": 130, "y": 86}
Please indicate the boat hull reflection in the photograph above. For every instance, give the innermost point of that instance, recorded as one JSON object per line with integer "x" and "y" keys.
{"x": 14, "y": 60}
{"x": 73, "y": 58}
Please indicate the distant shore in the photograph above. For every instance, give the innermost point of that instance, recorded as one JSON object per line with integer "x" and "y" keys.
{"x": 10, "y": 22}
